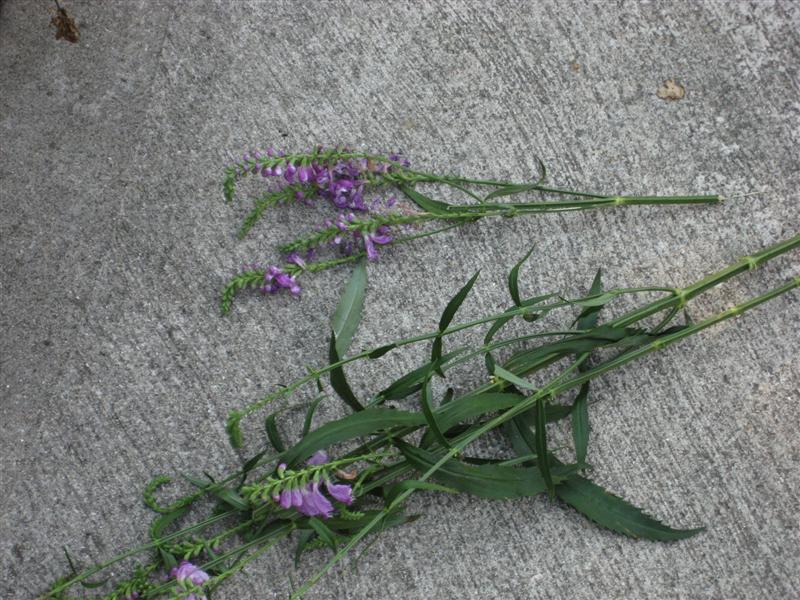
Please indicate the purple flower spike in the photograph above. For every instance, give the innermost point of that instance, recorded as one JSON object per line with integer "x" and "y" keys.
{"x": 320, "y": 457}
{"x": 340, "y": 492}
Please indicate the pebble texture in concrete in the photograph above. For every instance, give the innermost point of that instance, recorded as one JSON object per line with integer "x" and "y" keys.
{"x": 115, "y": 242}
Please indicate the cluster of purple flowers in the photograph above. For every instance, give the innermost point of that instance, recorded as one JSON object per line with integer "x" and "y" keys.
{"x": 381, "y": 236}
{"x": 186, "y": 571}
{"x": 341, "y": 181}
{"x": 275, "y": 279}
{"x": 309, "y": 499}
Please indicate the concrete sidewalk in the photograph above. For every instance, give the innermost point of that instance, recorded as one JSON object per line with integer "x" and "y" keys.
{"x": 116, "y": 365}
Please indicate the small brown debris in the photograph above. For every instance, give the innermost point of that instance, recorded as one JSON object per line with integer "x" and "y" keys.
{"x": 575, "y": 67}
{"x": 346, "y": 475}
{"x": 670, "y": 90}
{"x": 65, "y": 25}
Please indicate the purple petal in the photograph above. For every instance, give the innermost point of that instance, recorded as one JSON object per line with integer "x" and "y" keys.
{"x": 286, "y": 499}
{"x": 317, "y": 503}
{"x": 297, "y": 498}
{"x": 381, "y": 239}
{"x": 372, "y": 254}
{"x": 320, "y": 457}
{"x": 340, "y": 492}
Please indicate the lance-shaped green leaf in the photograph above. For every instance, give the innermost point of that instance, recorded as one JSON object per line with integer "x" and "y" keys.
{"x": 485, "y": 481}
{"x": 543, "y": 458}
{"x": 427, "y": 410}
{"x": 436, "y": 207}
{"x": 273, "y": 435}
{"x": 310, "y": 415}
{"x": 356, "y": 425}
{"x": 508, "y": 190}
{"x": 513, "y": 278}
{"x": 612, "y": 512}
{"x": 303, "y": 539}
{"x": 526, "y": 361}
{"x": 338, "y": 379}
{"x": 592, "y": 500}
{"x": 392, "y": 519}
{"x": 580, "y": 406}
{"x": 347, "y": 316}
{"x": 228, "y": 496}
{"x": 447, "y": 317}
{"x": 411, "y": 382}
{"x": 580, "y": 423}
{"x": 413, "y": 484}
{"x": 324, "y": 532}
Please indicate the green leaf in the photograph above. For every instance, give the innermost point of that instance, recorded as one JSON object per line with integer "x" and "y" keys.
{"x": 302, "y": 541}
{"x": 251, "y": 464}
{"x": 447, "y": 317}
{"x": 580, "y": 423}
{"x": 511, "y": 378}
{"x": 339, "y": 381}
{"x": 227, "y": 496}
{"x": 473, "y": 405}
{"x": 164, "y": 521}
{"x": 425, "y": 401}
{"x": 508, "y": 190}
{"x": 513, "y": 276}
{"x": 392, "y": 519}
{"x": 272, "y": 433}
{"x": 614, "y": 513}
{"x": 348, "y": 313}
{"x": 593, "y": 301}
{"x": 526, "y": 361}
{"x": 543, "y": 458}
{"x": 355, "y": 425}
{"x": 485, "y": 481}
{"x": 310, "y": 415}
{"x": 435, "y": 207}
{"x": 413, "y": 484}
{"x": 588, "y": 317}
{"x": 235, "y": 436}
{"x": 325, "y": 534}
{"x": 378, "y": 352}
{"x": 411, "y": 382}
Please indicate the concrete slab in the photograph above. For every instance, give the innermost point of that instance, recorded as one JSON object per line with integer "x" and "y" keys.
{"x": 116, "y": 365}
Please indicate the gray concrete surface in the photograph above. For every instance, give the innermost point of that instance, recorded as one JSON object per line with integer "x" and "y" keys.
{"x": 115, "y": 243}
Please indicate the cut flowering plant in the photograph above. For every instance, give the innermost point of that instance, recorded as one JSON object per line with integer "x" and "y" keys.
{"x": 362, "y": 190}
{"x": 341, "y": 481}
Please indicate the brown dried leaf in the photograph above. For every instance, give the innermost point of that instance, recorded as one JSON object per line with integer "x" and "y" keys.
{"x": 670, "y": 90}
{"x": 65, "y": 26}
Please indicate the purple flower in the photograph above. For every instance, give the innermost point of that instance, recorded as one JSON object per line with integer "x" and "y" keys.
{"x": 314, "y": 503}
{"x": 276, "y": 279}
{"x": 309, "y": 499}
{"x": 375, "y": 238}
{"x": 294, "y": 257}
{"x": 188, "y": 571}
{"x": 341, "y": 492}
{"x": 320, "y": 457}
